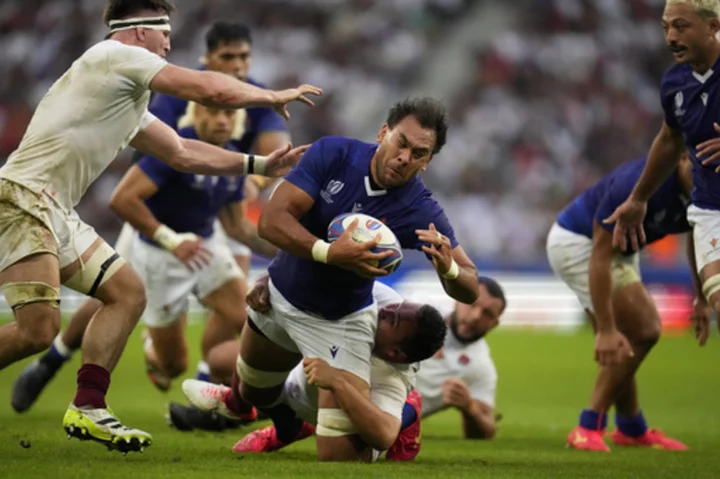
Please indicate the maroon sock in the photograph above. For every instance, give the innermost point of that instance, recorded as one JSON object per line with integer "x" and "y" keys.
{"x": 93, "y": 382}
{"x": 234, "y": 401}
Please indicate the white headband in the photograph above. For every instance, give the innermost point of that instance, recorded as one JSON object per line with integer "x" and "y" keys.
{"x": 154, "y": 23}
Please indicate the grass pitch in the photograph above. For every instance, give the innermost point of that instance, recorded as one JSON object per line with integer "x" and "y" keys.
{"x": 545, "y": 379}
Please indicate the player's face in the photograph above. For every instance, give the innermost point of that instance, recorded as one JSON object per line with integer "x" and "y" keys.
{"x": 688, "y": 36}
{"x": 403, "y": 152}
{"x": 214, "y": 126}
{"x": 473, "y": 321}
{"x": 156, "y": 41}
{"x": 231, "y": 59}
{"x": 396, "y": 324}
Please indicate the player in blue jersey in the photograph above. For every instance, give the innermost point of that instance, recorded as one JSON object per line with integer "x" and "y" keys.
{"x": 608, "y": 284}
{"x": 690, "y": 97}
{"x": 177, "y": 253}
{"x": 321, "y": 293}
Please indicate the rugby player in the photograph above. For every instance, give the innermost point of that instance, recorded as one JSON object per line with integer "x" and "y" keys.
{"x": 95, "y": 109}
{"x": 608, "y": 285}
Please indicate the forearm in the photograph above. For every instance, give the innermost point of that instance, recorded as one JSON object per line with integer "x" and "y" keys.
{"x": 204, "y": 159}
{"x": 134, "y": 211}
{"x": 376, "y": 427}
{"x": 478, "y": 422}
{"x": 247, "y": 234}
{"x": 601, "y": 292}
{"x": 663, "y": 158}
{"x": 697, "y": 282}
{"x": 464, "y": 288}
{"x": 284, "y": 231}
{"x": 227, "y": 92}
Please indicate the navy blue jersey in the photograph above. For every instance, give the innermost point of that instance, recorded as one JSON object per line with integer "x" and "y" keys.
{"x": 335, "y": 172}
{"x": 185, "y": 202}
{"x": 692, "y": 104}
{"x": 666, "y": 210}
{"x": 251, "y": 122}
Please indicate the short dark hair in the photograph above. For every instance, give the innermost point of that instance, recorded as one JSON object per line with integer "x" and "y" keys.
{"x": 429, "y": 335}
{"x": 494, "y": 289}
{"x": 118, "y": 9}
{"x": 226, "y": 32}
{"x": 430, "y": 113}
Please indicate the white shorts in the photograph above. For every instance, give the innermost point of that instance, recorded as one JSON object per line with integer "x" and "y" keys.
{"x": 168, "y": 281}
{"x": 706, "y": 235}
{"x": 236, "y": 247}
{"x": 569, "y": 256}
{"x": 126, "y": 241}
{"x": 345, "y": 343}
{"x": 26, "y": 217}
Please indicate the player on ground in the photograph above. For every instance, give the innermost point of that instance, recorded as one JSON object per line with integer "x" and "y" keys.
{"x": 419, "y": 330}
{"x": 321, "y": 293}
{"x": 690, "y": 97}
{"x": 43, "y": 243}
{"x": 608, "y": 284}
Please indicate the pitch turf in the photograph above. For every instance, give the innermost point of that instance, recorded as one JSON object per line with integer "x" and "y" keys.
{"x": 545, "y": 380}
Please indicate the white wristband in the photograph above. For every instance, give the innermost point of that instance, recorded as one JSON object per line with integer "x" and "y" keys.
{"x": 254, "y": 165}
{"x": 320, "y": 251}
{"x": 453, "y": 272}
{"x": 167, "y": 238}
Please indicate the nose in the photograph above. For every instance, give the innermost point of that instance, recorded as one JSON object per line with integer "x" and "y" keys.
{"x": 671, "y": 36}
{"x": 404, "y": 156}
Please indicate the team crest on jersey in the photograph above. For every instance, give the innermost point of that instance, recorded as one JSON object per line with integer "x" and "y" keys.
{"x": 464, "y": 359}
{"x": 679, "y": 100}
{"x": 333, "y": 188}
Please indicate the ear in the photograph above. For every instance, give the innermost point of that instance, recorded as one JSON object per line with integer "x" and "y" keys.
{"x": 397, "y": 355}
{"x": 714, "y": 25}
{"x": 381, "y": 134}
{"x": 140, "y": 33}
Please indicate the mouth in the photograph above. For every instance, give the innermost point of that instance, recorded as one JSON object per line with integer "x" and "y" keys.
{"x": 677, "y": 50}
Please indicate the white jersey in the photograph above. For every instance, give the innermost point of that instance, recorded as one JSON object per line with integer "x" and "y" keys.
{"x": 471, "y": 363}
{"x": 389, "y": 383}
{"x": 89, "y": 115}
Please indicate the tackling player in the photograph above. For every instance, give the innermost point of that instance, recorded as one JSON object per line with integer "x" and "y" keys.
{"x": 43, "y": 242}
{"x": 608, "y": 284}
{"x": 690, "y": 95}
{"x": 322, "y": 293}
{"x": 406, "y": 332}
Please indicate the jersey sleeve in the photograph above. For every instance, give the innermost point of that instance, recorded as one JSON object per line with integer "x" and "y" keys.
{"x": 427, "y": 211}
{"x": 136, "y": 64}
{"x": 384, "y": 295}
{"x": 668, "y": 101}
{"x": 156, "y": 170}
{"x": 388, "y": 390}
{"x": 146, "y": 120}
{"x": 483, "y": 384}
{"x": 239, "y": 194}
{"x": 266, "y": 120}
{"x": 310, "y": 172}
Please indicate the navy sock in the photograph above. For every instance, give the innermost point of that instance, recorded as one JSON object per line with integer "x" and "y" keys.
{"x": 200, "y": 376}
{"x": 203, "y": 372}
{"x": 53, "y": 359}
{"x": 631, "y": 426}
{"x": 287, "y": 424}
{"x": 593, "y": 420}
{"x": 409, "y": 415}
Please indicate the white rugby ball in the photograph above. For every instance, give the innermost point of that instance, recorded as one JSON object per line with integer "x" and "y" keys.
{"x": 367, "y": 229}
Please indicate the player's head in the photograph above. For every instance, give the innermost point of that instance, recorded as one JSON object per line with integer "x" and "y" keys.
{"x": 213, "y": 125}
{"x": 408, "y": 332}
{"x": 414, "y": 131}
{"x": 145, "y": 23}
{"x": 229, "y": 49}
{"x": 470, "y": 322}
{"x": 691, "y": 29}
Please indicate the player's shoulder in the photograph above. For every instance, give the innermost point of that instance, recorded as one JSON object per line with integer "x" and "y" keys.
{"x": 675, "y": 77}
{"x": 335, "y": 148}
{"x": 115, "y": 49}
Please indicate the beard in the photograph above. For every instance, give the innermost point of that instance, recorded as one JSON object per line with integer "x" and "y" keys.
{"x": 454, "y": 330}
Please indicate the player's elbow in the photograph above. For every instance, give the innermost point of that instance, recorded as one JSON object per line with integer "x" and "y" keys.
{"x": 182, "y": 158}
{"x": 267, "y": 224}
{"x": 118, "y": 202}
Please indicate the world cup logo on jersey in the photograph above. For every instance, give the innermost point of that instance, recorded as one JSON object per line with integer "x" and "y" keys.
{"x": 333, "y": 188}
{"x": 679, "y": 100}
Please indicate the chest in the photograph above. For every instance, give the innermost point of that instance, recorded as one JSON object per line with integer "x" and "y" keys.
{"x": 695, "y": 108}
{"x": 208, "y": 189}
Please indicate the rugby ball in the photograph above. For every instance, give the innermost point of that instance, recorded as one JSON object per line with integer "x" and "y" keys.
{"x": 367, "y": 229}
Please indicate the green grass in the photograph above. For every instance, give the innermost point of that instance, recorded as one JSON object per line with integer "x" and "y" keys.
{"x": 545, "y": 380}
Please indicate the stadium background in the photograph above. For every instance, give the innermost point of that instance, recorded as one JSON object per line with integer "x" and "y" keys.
{"x": 545, "y": 96}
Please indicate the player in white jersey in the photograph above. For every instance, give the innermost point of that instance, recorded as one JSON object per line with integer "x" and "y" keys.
{"x": 462, "y": 375}
{"x": 93, "y": 111}
{"x": 376, "y": 420}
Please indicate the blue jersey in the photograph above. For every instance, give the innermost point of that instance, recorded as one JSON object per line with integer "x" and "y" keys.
{"x": 185, "y": 202}
{"x": 665, "y": 211}
{"x": 251, "y": 122}
{"x": 692, "y": 104}
{"x": 335, "y": 172}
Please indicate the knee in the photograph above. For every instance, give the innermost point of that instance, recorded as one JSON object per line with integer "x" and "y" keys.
{"x": 647, "y": 335}
{"x": 39, "y": 324}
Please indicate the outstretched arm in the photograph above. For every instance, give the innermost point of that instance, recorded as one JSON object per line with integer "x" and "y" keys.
{"x": 663, "y": 158}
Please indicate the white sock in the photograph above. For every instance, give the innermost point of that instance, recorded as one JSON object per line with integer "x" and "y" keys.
{"x": 203, "y": 367}
{"x": 62, "y": 349}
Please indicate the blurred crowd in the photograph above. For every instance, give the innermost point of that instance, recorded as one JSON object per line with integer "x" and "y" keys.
{"x": 567, "y": 94}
